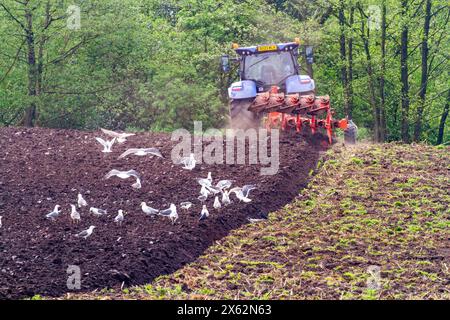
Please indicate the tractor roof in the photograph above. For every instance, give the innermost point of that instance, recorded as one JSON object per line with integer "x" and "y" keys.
{"x": 288, "y": 46}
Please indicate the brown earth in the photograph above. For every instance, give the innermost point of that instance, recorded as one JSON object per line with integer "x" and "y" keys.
{"x": 42, "y": 167}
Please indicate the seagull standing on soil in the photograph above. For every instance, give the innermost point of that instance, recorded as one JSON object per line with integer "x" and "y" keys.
{"x": 86, "y": 233}
{"x": 54, "y": 214}
{"x": 97, "y": 212}
{"x": 171, "y": 213}
{"x": 217, "y": 204}
{"x": 121, "y": 137}
{"x": 119, "y": 218}
{"x": 188, "y": 162}
{"x": 126, "y": 175}
{"x": 204, "y": 214}
{"x": 185, "y": 205}
{"x": 141, "y": 152}
{"x": 107, "y": 145}
{"x": 226, "y": 198}
{"x": 75, "y": 215}
{"x": 148, "y": 210}
{"x": 81, "y": 201}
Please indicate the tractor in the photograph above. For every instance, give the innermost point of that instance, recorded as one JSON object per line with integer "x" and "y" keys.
{"x": 272, "y": 91}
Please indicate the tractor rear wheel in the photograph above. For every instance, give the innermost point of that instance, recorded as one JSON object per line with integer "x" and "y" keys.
{"x": 241, "y": 118}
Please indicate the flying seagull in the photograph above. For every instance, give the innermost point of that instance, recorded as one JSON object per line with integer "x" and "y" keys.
{"x": 171, "y": 213}
{"x": 75, "y": 215}
{"x": 141, "y": 152}
{"x": 243, "y": 193}
{"x": 97, "y": 212}
{"x": 107, "y": 144}
{"x": 186, "y": 205}
{"x": 217, "y": 204}
{"x": 204, "y": 214}
{"x": 54, "y": 214}
{"x": 119, "y": 218}
{"x": 81, "y": 201}
{"x": 86, "y": 233}
{"x": 148, "y": 210}
{"x": 121, "y": 137}
{"x": 188, "y": 162}
{"x": 223, "y": 184}
{"x": 126, "y": 175}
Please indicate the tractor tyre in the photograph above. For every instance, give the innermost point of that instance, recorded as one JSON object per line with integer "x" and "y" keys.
{"x": 241, "y": 117}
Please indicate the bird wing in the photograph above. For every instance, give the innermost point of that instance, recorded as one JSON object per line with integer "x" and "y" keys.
{"x": 101, "y": 141}
{"x": 113, "y": 172}
{"x": 165, "y": 212}
{"x": 110, "y": 133}
{"x": 247, "y": 188}
{"x": 134, "y": 173}
{"x": 153, "y": 151}
{"x": 82, "y": 233}
{"x": 128, "y": 152}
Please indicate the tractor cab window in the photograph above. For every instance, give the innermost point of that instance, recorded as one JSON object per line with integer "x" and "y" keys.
{"x": 271, "y": 68}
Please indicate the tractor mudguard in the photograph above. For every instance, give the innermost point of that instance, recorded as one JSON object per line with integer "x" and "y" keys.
{"x": 245, "y": 89}
{"x": 299, "y": 84}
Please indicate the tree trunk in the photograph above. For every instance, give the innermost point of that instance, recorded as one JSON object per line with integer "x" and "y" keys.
{"x": 30, "y": 112}
{"x": 443, "y": 120}
{"x": 343, "y": 50}
{"x": 404, "y": 73}
{"x": 424, "y": 78}
{"x": 383, "y": 73}
{"x": 350, "y": 66}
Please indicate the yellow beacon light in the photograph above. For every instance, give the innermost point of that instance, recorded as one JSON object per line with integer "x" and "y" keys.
{"x": 234, "y": 46}
{"x": 297, "y": 40}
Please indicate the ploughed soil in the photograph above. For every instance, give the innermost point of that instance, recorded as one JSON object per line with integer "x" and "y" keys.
{"x": 44, "y": 167}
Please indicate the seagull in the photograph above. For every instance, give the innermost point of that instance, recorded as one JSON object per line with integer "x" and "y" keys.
{"x": 171, "y": 213}
{"x": 204, "y": 214}
{"x": 106, "y": 144}
{"x": 75, "y": 215}
{"x": 226, "y": 198}
{"x": 242, "y": 193}
{"x": 252, "y": 220}
{"x": 121, "y": 137}
{"x": 188, "y": 162}
{"x": 86, "y": 233}
{"x": 119, "y": 218}
{"x": 217, "y": 204}
{"x": 223, "y": 184}
{"x": 126, "y": 175}
{"x": 54, "y": 214}
{"x": 97, "y": 212}
{"x": 81, "y": 201}
{"x": 148, "y": 210}
{"x": 141, "y": 152}
{"x": 186, "y": 205}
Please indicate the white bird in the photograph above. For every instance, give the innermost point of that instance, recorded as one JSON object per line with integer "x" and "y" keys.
{"x": 141, "y": 152}
{"x": 226, "y": 198}
{"x": 1, "y": 221}
{"x": 119, "y": 218}
{"x": 217, "y": 204}
{"x": 209, "y": 178}
{"x": 252, "y": 220}
{"x": 97, "y": 212}
{"x": 86, "y": 233}
{"x": 121, "y": 137}
{"x": 223, "y": 184}
{"x": 107, "y": 144}
{"x": 81, "y": 201}
{"x": 54, "y": 214}
{"x": 186, "y": 205}
{"x": 204, "y": 214}
{"x": 126, "y": 175}
{"x": 148, "y": 210}
{"x": 243, "y": 193}
{"x": 75, "y": 215}
{"x": 171, "y": 213}
{"x": 188, "y": 162}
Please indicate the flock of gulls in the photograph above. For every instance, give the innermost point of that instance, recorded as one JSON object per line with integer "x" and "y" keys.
{"x": 221, "y": 191}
